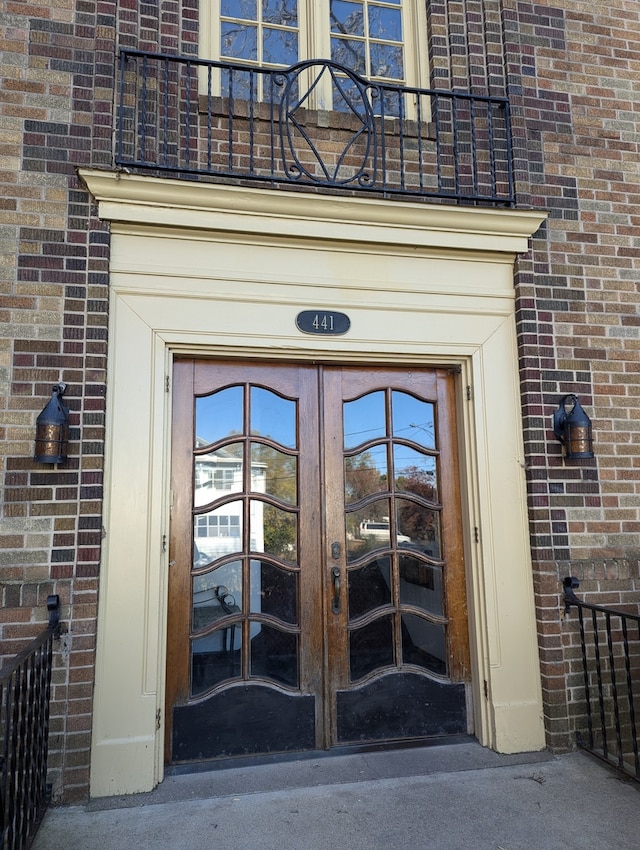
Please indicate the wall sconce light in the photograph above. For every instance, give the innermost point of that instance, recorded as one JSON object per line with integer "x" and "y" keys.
{"x": 52, "y": 429}
{"x": 573, "y": 428}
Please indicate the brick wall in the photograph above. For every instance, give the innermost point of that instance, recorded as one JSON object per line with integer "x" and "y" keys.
{"x": 573, "y": 77}
{"x": 571, "y": 71}
{"x": 57, "y": 66}
{"x": 56, "y": 69}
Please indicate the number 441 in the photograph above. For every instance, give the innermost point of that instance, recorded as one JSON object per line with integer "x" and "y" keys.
{"x": 323, "y": 322}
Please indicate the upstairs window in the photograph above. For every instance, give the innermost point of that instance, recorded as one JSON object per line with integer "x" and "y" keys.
{"x": 260, "y": 32}
{"x": 377, "y": 39}
{"x": 367, "y": 37}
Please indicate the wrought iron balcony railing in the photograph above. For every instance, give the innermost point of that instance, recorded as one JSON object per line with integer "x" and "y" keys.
{"x": 191, "y": 117}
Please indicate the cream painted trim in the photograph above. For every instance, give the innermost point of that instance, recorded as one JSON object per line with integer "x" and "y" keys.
{"x": 171, "y": 203}
{"x": 236, "y": 294}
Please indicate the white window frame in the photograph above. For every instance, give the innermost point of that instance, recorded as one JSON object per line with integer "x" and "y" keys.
{"x": 315, "y": 41}
{"x": 224, "y": 478}
{"x": 218, "y": 526}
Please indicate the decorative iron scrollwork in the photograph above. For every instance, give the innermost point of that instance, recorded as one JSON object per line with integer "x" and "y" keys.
{"x": 352, "y": 96}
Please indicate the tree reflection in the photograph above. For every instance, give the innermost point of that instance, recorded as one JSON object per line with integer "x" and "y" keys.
{"x": 362, "y": 477}
{"x": 414, "y": 520}
{"x": 280, "y": 482}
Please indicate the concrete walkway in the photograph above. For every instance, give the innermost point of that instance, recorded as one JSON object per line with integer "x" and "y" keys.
{"x": 444, "y": 797}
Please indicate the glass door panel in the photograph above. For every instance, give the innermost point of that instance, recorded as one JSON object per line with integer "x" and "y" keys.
{"x": 255, "y": 453}
{"x": 317, "y": 581}
{"x": 402, "y": 649}
{"x": 250, "y": 518}
{"x": 393, "y": 466}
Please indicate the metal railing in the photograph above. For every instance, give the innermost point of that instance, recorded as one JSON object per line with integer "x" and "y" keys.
{"x": 610, "y": 688}
{"x": 25, "y": 688}
{"x": 187, "y": 116}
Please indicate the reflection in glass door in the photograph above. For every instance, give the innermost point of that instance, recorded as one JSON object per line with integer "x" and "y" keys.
{"x": 392, "y": 517}
{"x": 317, "y": 587}
{"x": 245, "y": 501}
{"x": 244, "y": 545}
{"x": 400, "y": 659}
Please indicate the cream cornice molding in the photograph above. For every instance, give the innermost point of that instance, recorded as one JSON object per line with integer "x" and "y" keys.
{"x": 133, "y": 199}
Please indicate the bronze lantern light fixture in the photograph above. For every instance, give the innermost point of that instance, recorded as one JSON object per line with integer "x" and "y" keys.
{"x": 52, "y": 429}
{"x": 573, "y": 428}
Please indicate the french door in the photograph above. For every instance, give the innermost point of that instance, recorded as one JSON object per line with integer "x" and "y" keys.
{"x": 317, "y": 589}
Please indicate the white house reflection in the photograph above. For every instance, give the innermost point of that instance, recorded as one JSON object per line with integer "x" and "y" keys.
{"x": 231, "y": 590}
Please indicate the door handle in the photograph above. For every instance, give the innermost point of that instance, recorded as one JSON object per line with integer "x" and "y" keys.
{"x": 337, "y": 585}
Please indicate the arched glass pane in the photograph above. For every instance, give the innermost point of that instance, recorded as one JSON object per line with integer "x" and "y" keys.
{"x": 421, "y": 584}
{"x": 368, "y": 529}
{"x": 215, "y": 658}
{"x": 369, "y": 587}
{"x": 424, "y": 644}
{"x": 274, "y": 654}
{"x": 274, "y": 472}
{"x": 217, "y": 594}
{"x": 219, "y": 532}
{"x": 200, "y": 559}
{"x": 217, "y": 474}
{"x": 413, "y": 419}
{"x": 370, "y": 648}
{"x": 274, "y": 531}
{"x": 418, "y": 528}
{"x": 274, "y": 591}
{"x": 219, "y": 415}
{"x": 415, "y": 472}
{"x": 273, "y": 416}
{"x": 365, "y": 474}
{"x": 364, "y": 419}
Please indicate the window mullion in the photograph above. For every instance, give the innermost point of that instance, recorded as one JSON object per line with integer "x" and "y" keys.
{"x": 319, "y": 45}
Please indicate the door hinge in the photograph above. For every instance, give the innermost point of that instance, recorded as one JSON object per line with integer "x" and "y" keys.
{"x": 486, "y": 689}
{"x": 164, "y": 542}
{"x": 166, "y": 383}
{"x": 469, "y": 392}
{"x": 476, "y": 533}
{"x": 158, "y": 719}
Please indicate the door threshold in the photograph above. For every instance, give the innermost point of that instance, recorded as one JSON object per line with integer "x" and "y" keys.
{"x": 239, "y": 761}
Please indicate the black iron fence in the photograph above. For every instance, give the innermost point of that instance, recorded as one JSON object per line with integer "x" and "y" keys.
{"x": 25, "y": 687}
{"x": 315, "y": 124}
{"x": 609, "y": 694}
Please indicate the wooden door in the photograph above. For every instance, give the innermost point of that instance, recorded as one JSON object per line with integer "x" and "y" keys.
{"x": 316, "y": 582}
{"x": 398, "y": 650}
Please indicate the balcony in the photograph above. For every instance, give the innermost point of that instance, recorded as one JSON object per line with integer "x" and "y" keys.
{"x": 195, "y": 119}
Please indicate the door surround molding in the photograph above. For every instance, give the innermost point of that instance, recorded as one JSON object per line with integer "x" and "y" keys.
{"x": 195, "y": 285}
